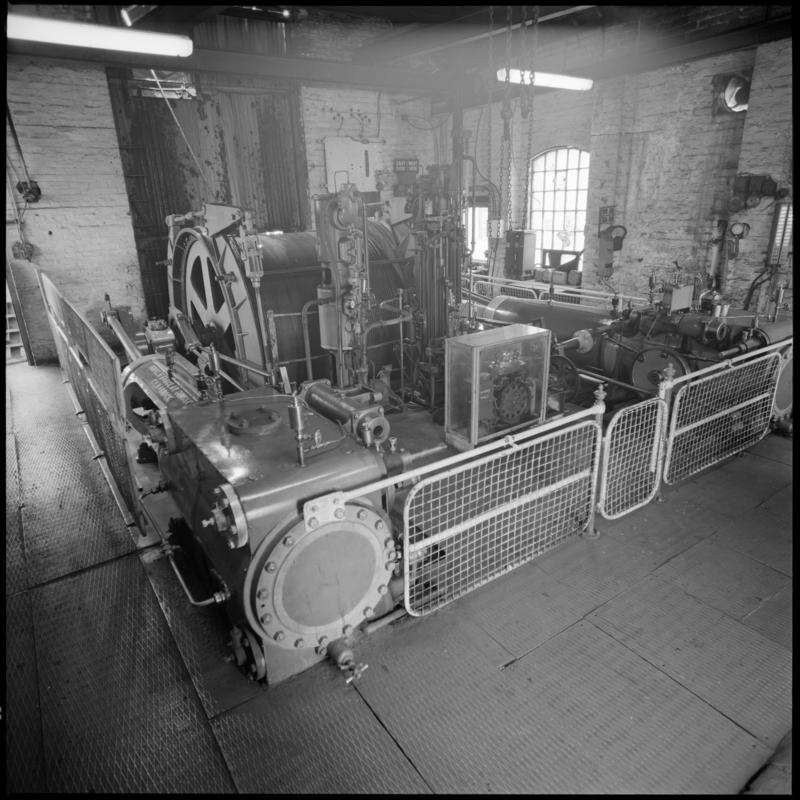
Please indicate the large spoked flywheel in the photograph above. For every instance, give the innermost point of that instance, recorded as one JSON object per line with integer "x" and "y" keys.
{"x": 211, "y": 290}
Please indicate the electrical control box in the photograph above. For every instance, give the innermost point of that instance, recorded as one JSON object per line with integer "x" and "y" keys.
{"x": 520, "y": 254}
{"x": 677, "y": 298}
{"x": 495, "y": 382}
{"x": 349, "y": 161}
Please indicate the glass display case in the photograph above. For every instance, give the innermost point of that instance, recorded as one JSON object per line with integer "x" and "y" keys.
{"x": 495, "y": 382}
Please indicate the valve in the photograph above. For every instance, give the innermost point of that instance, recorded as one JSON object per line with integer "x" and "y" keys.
{"x": 342, "y": 655}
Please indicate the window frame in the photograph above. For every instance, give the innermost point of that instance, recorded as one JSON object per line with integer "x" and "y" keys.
{"x": 566, "y": 169}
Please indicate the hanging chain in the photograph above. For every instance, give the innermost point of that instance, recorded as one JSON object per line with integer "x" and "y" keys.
{"x": 489, "y": 85}
{"x": 528, "y": 62}
{"x": 508, "y": 116}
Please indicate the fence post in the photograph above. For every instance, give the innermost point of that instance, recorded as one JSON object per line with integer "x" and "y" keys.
{"x": 599, "y": 408}
{"x": 665, "y": 387}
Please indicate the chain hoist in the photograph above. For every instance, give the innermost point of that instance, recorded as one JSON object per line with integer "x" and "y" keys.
{"x": 528, "y": 60}
{"x": 507, "y": 115}
{"x": 490, "y": 85}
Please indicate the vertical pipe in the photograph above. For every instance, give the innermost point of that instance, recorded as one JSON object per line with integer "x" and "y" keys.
{"x": 306, "y": 337}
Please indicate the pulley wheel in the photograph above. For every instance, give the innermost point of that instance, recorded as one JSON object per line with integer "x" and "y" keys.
{"x": 214, "y": 296}
{"x": 648, "y": 367}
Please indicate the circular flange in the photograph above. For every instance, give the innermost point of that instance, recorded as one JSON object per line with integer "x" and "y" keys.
{"x": 236, "y": 532}
{"x": 648, "y": 368}
{"x": 307, "y": 585}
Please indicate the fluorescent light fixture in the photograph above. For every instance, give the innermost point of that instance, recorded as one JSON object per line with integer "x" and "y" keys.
{"x": 548, "y": 79}
{"x": 101, "y": 37}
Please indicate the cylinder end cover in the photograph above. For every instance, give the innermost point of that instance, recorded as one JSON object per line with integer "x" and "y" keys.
{"x": 312, "y": 581}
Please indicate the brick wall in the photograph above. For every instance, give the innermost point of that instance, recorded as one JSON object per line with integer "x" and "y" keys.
{"x": 80, "y": 228}
{"x": 659, "y": 155}
{"x": 766, "y": 149}
{"x": 666, "y": 163}
{"x": 387, "y": 119}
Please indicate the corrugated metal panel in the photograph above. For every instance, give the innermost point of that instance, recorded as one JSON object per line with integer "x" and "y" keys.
{"x": 241, "y": 35}
{"x": 245, "y": 138}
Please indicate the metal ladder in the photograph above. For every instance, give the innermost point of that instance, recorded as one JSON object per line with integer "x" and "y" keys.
{"x": 15, "y": 350}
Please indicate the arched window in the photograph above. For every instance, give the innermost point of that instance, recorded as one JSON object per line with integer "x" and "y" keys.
{"x": 559, "y": 179}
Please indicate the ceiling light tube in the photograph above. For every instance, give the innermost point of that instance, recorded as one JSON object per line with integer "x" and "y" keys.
{"x": 547, "y": 79}
{"x": 101, "y": 37}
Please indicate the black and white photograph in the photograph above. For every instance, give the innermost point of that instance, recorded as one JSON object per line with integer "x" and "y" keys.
{"x": 399, "y": 399}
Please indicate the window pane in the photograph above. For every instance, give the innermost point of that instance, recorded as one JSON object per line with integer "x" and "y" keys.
{"x": 574, "y": 158}
{"x": 572, "y": 179}
{"x": 571, "y": 199}
{"x": 558, "y": 199}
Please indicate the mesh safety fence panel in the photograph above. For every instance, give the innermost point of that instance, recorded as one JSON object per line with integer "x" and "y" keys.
{"x": 470, "y": 524}
{"x": 632, "y": 458}
{"x": 719, "y": 415}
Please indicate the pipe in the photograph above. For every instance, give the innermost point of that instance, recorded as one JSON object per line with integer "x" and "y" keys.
{"x": 244, "y": 364}
{"x": 405, "y": 316}
{"x": 371, "y": 627}
{"x": 215, "y": 599}
{"x": 131, "y": 350}
{"x": 306, "y": 337}
{"x": 593, "y": 377}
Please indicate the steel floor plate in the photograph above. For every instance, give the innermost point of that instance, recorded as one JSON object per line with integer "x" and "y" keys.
{"x": 773, "y": 618}
{"x": 626, "y": 728}
{"x": 601, "y": 567}
{"x": 581, "y": 713}
{"x": 526, "y": 607}
{"x": 779, "y": 506}
{"x": 16, "y": 572}
{"x": 22, "y": 709}
{"x": 722, "y": 578}
{"x": 69, "y": 518}
{"x": 742, "y": 674}
{"x": 582, "y": 671}
{"x": 776, "y": 448}
{"x": 737, "y": 485}
{"x": 313, "y": 734}
{"x": 122, "y": 715}
{"x": 201, "y": 636}
{"x": 759, "y": 536}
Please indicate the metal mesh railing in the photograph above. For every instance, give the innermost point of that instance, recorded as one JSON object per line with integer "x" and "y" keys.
{"x": 470, "y": 524}
{"x": 718, "y": 415}
{"x": 632, "y": 458}
{"x": 93, "y": 370}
